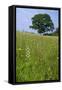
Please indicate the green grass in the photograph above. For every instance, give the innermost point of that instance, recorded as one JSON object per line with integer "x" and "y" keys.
{"x": 36, "y": 57}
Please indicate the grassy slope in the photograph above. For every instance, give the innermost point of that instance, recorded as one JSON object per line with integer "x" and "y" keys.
{"x": 36, "y": 57}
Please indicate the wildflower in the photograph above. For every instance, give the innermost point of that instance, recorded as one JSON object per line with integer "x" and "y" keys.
{"x": 27, "y": 52}
{"x": 19, "y": 49}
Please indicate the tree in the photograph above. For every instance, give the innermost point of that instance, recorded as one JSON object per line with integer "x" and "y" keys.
{"x": 42, "y": 23}
{"x": 57, "y": 29}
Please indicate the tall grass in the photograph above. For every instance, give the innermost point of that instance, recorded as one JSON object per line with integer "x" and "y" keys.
{"x": 36, "y": 57}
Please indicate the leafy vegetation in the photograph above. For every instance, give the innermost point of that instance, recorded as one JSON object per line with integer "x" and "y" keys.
{"x": 52, "y": 34}
{"x": 42, "y": 23}
{"x": 36, "y": 57}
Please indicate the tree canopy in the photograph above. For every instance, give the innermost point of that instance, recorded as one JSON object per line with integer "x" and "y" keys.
{"x": 42, "y": 23}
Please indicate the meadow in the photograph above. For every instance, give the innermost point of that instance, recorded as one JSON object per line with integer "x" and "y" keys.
{"x": 36, "y": 57}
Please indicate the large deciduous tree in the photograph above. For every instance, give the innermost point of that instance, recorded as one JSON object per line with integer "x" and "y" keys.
{"x": 42, "y": 23}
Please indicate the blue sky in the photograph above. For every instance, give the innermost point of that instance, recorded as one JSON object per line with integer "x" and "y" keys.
{"x": 24, "y": 15}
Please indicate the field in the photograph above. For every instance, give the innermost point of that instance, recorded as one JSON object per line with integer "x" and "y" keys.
{"x": 36, "y": 57}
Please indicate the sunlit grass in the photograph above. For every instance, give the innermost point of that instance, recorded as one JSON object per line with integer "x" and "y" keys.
{"x": 36, "y": 57}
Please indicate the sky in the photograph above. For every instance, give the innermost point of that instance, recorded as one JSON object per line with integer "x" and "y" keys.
{"x": 24, "y": 15}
